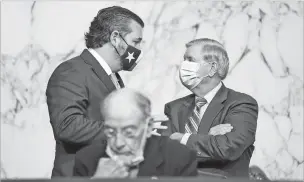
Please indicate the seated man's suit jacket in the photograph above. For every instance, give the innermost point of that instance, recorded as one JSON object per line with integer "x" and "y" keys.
{"x": 229, "y": 153}
{"x": 163, "y": 157}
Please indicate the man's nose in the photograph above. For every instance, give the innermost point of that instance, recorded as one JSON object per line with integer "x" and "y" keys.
{"x": 120, "y": 141}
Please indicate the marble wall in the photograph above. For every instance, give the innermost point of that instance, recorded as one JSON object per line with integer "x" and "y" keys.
{"x": 264, "y": 40}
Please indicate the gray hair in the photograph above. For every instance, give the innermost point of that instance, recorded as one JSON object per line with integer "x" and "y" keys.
{"x": 134, "y": 99}
{"x": 213, "y": 51}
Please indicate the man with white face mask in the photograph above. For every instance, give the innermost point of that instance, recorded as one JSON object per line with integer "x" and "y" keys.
{"x": 218, "y": 122}
{"x": 131, "y": 149}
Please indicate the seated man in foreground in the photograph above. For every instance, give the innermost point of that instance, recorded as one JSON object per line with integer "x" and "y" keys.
{"x": 130, "y": 150}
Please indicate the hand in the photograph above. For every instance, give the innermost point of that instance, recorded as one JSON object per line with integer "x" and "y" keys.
{"x": 220, "y": 129}
{"x": 160, "y": 117}
{"x": 108, "y": 168}
{"x": 157, "y": 121}
{"x": 177, "y": 136}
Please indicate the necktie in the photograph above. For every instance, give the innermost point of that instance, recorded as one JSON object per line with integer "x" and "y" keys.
{"x": 115, "y": 80}
{"x": 194, "y": 119}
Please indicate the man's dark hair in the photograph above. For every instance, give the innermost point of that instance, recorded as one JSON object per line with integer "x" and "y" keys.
{"x": 108, "y": 20}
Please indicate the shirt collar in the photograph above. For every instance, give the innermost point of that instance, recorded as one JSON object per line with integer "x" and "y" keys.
{"x": 210, "y": 95}
{"x": 101, "y": 61}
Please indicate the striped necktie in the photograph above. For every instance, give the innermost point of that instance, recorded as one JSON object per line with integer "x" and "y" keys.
{"x": 194, "y": 119}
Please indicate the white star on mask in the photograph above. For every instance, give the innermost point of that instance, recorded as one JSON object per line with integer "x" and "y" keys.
{"x": 130, "y": 57}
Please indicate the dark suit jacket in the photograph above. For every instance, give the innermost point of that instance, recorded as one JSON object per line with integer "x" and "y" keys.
{"x": 163, "y": 157}
{"x": 74, "y": 93}
{"x": 229, "y": 153}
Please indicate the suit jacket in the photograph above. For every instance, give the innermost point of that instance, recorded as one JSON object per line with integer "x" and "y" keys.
{"x": 74, "y": 93}
{"x": 163, "y": 157}
{"x": 229, "y": 153}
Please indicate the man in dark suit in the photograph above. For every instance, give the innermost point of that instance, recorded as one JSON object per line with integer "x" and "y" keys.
{"x": 215, "y": 121}
{"x": 77, "y": 86}
{"x": 131, "y": 151}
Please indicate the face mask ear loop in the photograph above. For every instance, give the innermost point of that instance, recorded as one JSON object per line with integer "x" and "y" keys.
{"x": 123, "y": 39}
{"x": 115, "y": 47}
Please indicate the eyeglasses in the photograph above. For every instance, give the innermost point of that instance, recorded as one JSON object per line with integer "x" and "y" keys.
{"x": 127, "y": 132}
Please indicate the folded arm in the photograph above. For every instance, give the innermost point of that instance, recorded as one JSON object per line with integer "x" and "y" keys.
{"x": 243, "y": 118}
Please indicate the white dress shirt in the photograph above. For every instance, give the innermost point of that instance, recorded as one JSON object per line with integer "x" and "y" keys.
{"x": 209, "y": 96}
{"x": 101, "y": 61}
{"x": 106, "y": 67}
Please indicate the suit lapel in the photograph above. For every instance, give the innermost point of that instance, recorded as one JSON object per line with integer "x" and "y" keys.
{"x": 185, "y": 111}
{"x": 98, "y": 70}
{"x": 153, "y": 158}
{"x": 212, "y": 110}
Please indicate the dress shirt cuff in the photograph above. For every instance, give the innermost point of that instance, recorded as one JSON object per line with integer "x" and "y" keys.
{"x": 185, "y": 138}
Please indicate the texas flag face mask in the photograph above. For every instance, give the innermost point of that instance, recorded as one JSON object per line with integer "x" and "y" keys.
{"x": 130, "y": 57}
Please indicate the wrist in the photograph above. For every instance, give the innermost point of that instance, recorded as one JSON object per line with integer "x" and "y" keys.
{"x": 185, "y": 138}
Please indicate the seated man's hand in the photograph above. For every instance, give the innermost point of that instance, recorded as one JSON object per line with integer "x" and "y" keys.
{"x": 108, "y": 168}
{"x": 220, "y": 129}
{"x": 158, "y": 120}
{"x": 177, "y": 136}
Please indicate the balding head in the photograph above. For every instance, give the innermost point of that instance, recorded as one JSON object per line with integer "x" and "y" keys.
{"x": 127, "y": 122}
{"x": 125, "y": 104}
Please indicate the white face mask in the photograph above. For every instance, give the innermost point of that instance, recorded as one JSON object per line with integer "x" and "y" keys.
{"x": 189, "y": 74}
{"x": 138, "y": 153}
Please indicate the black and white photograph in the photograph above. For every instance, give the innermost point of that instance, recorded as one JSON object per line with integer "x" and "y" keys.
{"x": 142, "y": 90}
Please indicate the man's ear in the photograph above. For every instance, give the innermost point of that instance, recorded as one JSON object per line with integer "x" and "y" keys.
{"x": 114, "y": 38}
{"x": 213, "y": 70}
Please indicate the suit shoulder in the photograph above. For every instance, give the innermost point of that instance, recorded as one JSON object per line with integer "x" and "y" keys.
{"x": 74, "y": 63}
{"x": 179, "y": 100}
{"x": 73, "y": 67}
{"x": 241, "y": 97}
